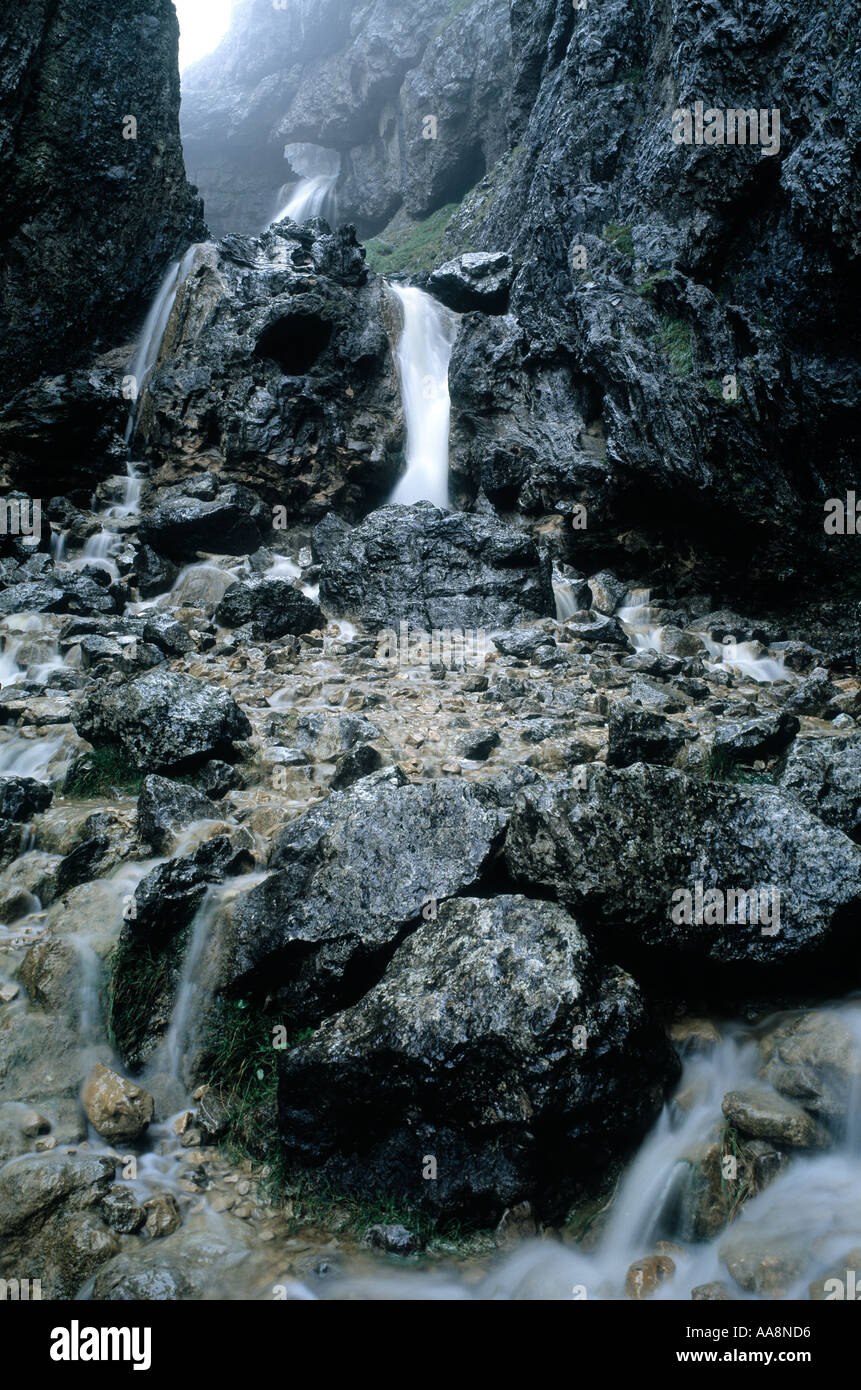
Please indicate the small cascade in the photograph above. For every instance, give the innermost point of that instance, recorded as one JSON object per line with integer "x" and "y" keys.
{"x": 311, "y": 197}
{"x": 566, "y": 602}
{"x": 639, "y": 621}
{"x": 423, "y": 356}
{"x": 148, "y": 349}
{"x": 747, "y": 658}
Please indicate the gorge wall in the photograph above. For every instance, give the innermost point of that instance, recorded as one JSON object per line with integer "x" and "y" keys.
{"x": 88, "y": 216}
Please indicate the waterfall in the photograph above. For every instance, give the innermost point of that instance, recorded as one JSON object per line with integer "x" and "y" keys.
{"x": 148, "y": 347}
{"x": 423, "y": 356}
{"x": 309, "y": 198}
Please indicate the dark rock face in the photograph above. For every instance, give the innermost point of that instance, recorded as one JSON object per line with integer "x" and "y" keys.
{"x": 272, "y": 606}
{"x": 496, "y": 1045}
{"x": 630, "y": 305}
{"x": 352, "y": 874}
{"x": 620, "y": 847}
{"x": 431, "y": 569}
{"x": 23, "y": 797}
{"x": 162, "y": 720}
{"x": 203, "y": 516}
{"x": 276, "y": 375}
{"x": 85, "y": 68}
{"x": 360, "y": 80}
{"x": 750, "y": 739}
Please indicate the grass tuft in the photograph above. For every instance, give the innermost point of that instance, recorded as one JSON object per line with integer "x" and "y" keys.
{"x": 101, "y": 772}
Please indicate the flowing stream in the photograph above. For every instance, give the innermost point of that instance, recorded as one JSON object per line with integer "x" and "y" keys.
{"x": 311, "y": 197}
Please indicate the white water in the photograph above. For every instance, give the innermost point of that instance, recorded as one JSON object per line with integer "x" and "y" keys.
{"x": 812, "y": 1208}
{"x": 745, "y": 657}
{"x": 423, "y": 356}
{"x": 311, "y": 197}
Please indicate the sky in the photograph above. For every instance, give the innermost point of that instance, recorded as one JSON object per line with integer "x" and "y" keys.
{"x": 202, "y": 25}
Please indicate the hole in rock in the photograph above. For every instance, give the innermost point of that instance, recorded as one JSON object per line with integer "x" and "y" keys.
{"x": 294, "y": 342}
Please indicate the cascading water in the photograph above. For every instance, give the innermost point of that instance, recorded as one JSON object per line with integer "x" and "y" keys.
{"x": 423, "y": 357}
{"x": 312, "y": 197}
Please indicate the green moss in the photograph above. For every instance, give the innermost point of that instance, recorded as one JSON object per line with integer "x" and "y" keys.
{"x": 411, "y": 246}
{"x": 618, "y": 235}
{"x": 141, "y": 979}
{"x": 723, "y": 766}
{"x": 675, "y": 341}
{"x": 646, "y": 289}
{"x": 101, "y": 772}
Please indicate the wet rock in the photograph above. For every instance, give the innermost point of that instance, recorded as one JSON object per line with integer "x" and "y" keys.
{"x": 841, "y": 1282}
{"x": 639, "y": 735}
{"x": 165, "y": 807}
{"x": 628, "y": 847}
{"x": 815, "y": 1060}
{"x": 646, "y": 1276}
{"x": 695, "y": 1035}
{"x": 432, "y": 570}
{"x": 51, "y": 974}
{"x": 436, "y": 1060}
{"x": 23, "y": 797}
{"x": 82, "y": 864}
{"x": 477, "y": 745}
{"x": 178, "y": 1267}
{"x": 477, "y": 280}
{"x": 516, "y": 1224}
{"x": 765, "y": 1267}
{"x": 152, "y": 573}
{"x": 212, "y": 1115}
{"x": 352, "y": 874}
{"x": 824, "y": 774}
{"x": 748, "y": 740}
{"x": 715, "y": 1292}
{"x": 761, "y": 1113}
{"x": 357, "y": 763}
{"x": 607, "y": 592}
{"x": 813, "y": 696}
{"x": 273, "y": 607}
{"x": 162, "y": 1216}
{"x": 215, "y": 779}
{"x": 117, "y": 1108}
{"x": 33, "y": 1124}
{"x": 394, "y": 1240}
{"x": 166, "y": 900}
{"x": 595, "y": 628}
{"x": 162, "y": 720}
{"x": 121, "y": 1210}
{"x": 228, "y": 520}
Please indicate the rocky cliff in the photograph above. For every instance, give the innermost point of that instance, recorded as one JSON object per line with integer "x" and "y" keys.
{"x": 94, "y": 200}
{"x": 674, "y": 352}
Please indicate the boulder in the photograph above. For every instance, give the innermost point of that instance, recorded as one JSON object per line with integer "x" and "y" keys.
{"x": 824, "y": 774}
{"x": 117, "y": 1108}
{"x": 641, "y": 735}
{"x": 761, "y": 1113}
{"x": 351, "y": 875}
{"x": 748, "y": 740}
{"x": 635, "y": 851}
{"x": 815, "y": 1059}
{"x": 165, "y": 807}
{"x": 162, "y": 720}
{"x": 432, "y": 569}
{"x": 274, "y": 607}
{"x": 476, "y": 280}
{"x": 201, "y": 516}
{"x": 497, "y": 1061}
